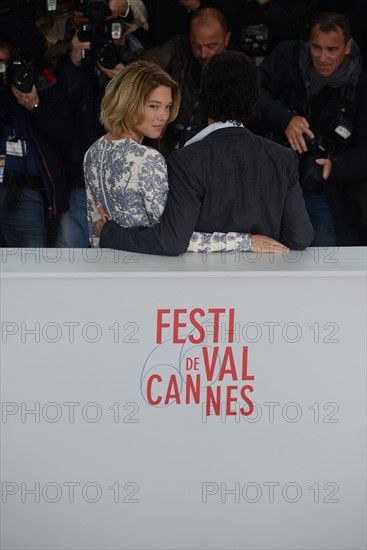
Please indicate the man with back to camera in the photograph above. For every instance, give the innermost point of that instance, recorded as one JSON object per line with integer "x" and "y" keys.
{"x": 226, "y": 178}
{"x": 313, "y": 96}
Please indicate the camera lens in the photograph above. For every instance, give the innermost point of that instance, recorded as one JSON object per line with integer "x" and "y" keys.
{"x": 98, "y": 11}
{"x": 23, "y": 80}
{"x": 109, "y": 56}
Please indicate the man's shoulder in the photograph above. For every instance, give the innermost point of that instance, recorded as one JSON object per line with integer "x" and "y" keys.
{"x": 224, "y": 143}
{"x": 177, "y": 46}
{"x": 179, "y": 43}
{"x": 285, "y": 53}
{"x": 276, "y": 148}
{"x": 289, "y": 46}
{"x": 239, "y": 134}
{"x": 286, "y": 48}
{"x": 191, "y": 149}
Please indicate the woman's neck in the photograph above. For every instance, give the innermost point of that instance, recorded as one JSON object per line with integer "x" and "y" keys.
{"x": 124, "y": 135}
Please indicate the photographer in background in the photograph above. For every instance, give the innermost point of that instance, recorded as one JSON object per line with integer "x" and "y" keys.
{"x": 100, "y": 48}
{"x": 36, "y": 140}
{"x": 132, "y": 14}
{"x": 171, "y": 17}
{"x": 184, "y": 57}
{"x": 266, "y": 23}
{"x": 226, "y": 178}
{"x": 313, "y": 99}
{"x": 59, "y": 20}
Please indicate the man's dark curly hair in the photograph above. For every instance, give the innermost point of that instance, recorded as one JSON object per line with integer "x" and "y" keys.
{"x": 230, "y": 87}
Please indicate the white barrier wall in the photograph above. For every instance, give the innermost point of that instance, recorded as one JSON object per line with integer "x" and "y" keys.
{"x": 198, "y": 402}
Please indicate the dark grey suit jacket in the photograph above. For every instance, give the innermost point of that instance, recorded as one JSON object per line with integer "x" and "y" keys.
{"x": 232, "y": 180}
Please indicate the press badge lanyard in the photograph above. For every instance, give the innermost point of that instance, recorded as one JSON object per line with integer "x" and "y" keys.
{"x": 15, "y": 155}
{"x": 15, "y": 146}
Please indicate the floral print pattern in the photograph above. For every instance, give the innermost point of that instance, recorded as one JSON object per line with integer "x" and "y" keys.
{"x": 130, "y": 181}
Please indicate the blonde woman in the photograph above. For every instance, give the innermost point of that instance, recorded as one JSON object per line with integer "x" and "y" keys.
{"x": 130, "y": 179}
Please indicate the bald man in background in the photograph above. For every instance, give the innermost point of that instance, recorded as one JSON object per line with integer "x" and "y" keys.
{"x": 183, "y": 58}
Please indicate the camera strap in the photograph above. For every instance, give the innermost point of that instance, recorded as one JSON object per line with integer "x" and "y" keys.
{"x": 14, "y": 182}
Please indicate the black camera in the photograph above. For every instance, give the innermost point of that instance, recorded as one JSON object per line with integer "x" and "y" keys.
{"x": 97, "y": 11}
{"x": 333, "y": 141}
{"x": 103, "y": 49}
{"x": 254, "y": 40}
{"x": 109, "y": 55}
{"x": 18, "y": 71}
{"x": 23, "y": 6}
{"x": 311, "y": 179}
{"x": 22, "y": 74}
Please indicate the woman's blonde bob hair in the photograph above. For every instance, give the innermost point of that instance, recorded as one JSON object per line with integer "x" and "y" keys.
{"x": 127, "y": 93}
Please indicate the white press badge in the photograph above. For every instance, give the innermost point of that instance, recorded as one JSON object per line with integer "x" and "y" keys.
{"x": 15, "y": 148}
{"x": 343, "y": 131}
{"x": 345, "y": 126}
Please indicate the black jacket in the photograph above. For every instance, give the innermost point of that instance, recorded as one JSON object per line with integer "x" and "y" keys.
{"x": 232, "y": 180}
{"x": 283, "y": 95}
{"x": 51, "y": 128}
{"x": 84, "y": 90}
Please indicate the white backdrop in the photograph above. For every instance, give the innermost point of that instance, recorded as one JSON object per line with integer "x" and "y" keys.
{"x": 87, "y": 462}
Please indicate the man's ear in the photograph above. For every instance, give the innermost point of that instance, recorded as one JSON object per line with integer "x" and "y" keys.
{"x": 348, "y": 47}
{"x": 227, "y": 38}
